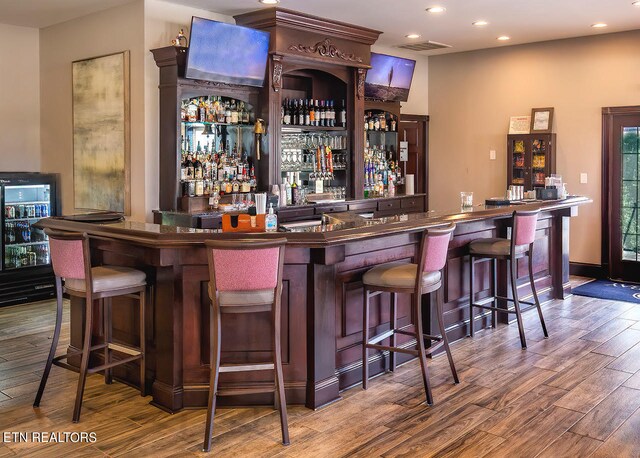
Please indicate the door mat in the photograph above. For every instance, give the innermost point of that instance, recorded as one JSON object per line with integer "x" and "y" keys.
{"x": 606, "y": 289}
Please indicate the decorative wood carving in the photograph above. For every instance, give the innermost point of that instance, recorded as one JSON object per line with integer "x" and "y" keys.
{"x": 361, "y": 75}
{"x": 277, "y": 72}
{"x": 326, "y": 49}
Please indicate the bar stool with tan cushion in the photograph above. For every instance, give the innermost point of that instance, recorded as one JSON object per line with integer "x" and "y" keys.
{"x": 245, "y": 277}
{"x": 71, "y": 261}
{"x": 425, "y": 277}
{"x": 523, "y": 235}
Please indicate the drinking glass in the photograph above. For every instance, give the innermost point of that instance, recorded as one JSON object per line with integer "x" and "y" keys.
{"x": 466, "y": 199}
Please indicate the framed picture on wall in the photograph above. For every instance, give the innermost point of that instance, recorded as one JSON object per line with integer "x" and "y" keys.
{"x": 541, "y": 120}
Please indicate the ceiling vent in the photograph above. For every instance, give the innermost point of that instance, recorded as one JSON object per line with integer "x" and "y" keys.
{"x": 424, "y": 46}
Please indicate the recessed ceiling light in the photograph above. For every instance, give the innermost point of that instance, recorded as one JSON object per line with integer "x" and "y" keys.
{"x": 436, "y": 9}
{"x": 481, "y": 23}
{"x": 504, "y": 38}
{"x": 413, "y": 36}
{"x": 269, "y": 2}
{"x": 598, "y": 25}
{"x": 636, "y": 3}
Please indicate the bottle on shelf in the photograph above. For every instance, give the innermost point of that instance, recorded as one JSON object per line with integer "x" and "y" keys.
{"x": 343, "y": 115}
{"x": 312, "y": 113}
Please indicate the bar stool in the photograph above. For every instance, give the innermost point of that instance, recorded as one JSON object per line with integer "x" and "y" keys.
{"x": 245, "y": 277}
{"x": 523, "y": 235}
{"x": 417, "y": 279}
{"x": 71, "y": 260}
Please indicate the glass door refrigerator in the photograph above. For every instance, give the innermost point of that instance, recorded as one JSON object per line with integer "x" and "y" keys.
{"x": 26, "y": 273}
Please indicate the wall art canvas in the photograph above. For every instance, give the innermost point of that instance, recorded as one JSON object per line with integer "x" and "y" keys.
{"x": 101, "y": 133}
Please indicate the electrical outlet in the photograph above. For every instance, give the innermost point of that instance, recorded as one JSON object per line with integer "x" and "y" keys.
{"x": 583, "y": 178}
{"x": 492, "y": 155}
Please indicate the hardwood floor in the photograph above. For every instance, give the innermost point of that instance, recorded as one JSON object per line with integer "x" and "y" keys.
{"x": 576, "y": 394}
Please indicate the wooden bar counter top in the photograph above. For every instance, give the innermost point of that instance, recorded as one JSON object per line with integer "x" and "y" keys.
{"x": 321, "y": 299}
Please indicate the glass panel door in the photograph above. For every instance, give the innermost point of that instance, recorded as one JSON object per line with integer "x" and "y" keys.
{"x": 25, "y": 245}
{"x": 630, "y": 186}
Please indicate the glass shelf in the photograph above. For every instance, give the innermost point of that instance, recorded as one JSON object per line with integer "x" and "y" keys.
{"x": 26, "y": 244}
{"x": 295, "y": 128}
{"x": 202, "y": 124}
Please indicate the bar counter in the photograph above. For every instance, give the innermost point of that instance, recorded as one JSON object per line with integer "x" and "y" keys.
{"x": 321, "y": 301}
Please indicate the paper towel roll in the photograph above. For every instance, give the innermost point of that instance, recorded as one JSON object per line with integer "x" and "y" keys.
{"x": 409, "y": 189}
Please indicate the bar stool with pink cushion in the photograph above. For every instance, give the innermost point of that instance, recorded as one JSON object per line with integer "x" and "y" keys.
{"x": 425, "y": 277}
{"x": 71, "y": 261}
{"x": 245, "y": 277}
{"x": 523, "y": 235}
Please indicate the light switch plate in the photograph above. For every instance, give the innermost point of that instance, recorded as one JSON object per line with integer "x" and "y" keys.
{"x": 492, "y": 155}
{"x": 583, "y": 178}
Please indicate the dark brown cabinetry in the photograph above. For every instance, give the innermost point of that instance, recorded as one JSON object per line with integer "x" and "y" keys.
{"x": 320, "y": 59}
{"x": 174, "y": 89}
{"x": 530, "y": 159}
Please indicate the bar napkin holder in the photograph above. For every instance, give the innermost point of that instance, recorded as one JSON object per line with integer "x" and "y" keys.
{"x": 244, "y": 222}
{"x": 547, "y": 193}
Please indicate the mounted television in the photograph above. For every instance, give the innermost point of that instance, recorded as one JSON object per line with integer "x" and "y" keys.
{"x": 226, "y": 53}
{"x": 389, "y": 78}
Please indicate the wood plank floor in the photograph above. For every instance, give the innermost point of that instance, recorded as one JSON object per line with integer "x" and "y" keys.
{"x": 576, "y": 394}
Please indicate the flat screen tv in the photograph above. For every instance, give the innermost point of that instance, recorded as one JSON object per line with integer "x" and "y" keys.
{"x": 389, "y": 78}
{"x": 226, "y": 53}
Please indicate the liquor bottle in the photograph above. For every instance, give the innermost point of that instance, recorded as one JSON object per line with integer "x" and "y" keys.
{"x": 287, "y": 113}
{"x": 253, "y": 183}
{"x": 192, "y": 111}
{"x": 370, "y": 121}
{"x": 294, "y": 112}
{"x": 376, "y": 123}
{"x": 211, "y": 111}
{"x": 393, "y": 124}
{"x": 235, "y": 185}
{"x": 183, "y": 110}
{"x": 228, "y": 186}
{"x": 287, "y": 187}
{"x": 246, "y": 117}
{"x": 183, "y": 167}
{"x": 383, "y": 123}
{"x": 343, "y": 115}
{"x": 332, "y": 114}
{"x": 295, "y": 191}
{"x": 307, "y": 115}
{"x": 227, "y": 112}
{"x": 197, "y": 166}
{"x": 312, "y": 113}
{"x": 366, "y": 122}
{"x": 202, "y": 110}
{"x": 323, "y": 114}
{"x": 234, "y": 113}
{"x": 190, "y": 168}
{"x": 220, "y": 111}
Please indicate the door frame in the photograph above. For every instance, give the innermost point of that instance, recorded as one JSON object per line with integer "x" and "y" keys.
{"x": 425, "y": 120}
{"x": 608, "y": 152}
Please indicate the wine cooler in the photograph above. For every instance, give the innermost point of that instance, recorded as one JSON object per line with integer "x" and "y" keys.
{"x": 26, "y": 273}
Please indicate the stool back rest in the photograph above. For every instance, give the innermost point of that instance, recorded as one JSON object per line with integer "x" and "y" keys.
{"x": 524, "y": 227}
{"x": 434, "y": 248}
{"x": 245, "y": 264}
{"x": 70, "y": 256}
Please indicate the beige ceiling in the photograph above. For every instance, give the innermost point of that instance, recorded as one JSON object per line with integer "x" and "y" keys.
{"x": 524, "y": 21}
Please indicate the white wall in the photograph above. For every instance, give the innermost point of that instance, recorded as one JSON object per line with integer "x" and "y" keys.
{"x": 418, "y": 103}
{"x": 473, "y": 94}
{"x": 106, "y": 32}
{"x": 19, "y": 99}
{"x": 162, "y": 21}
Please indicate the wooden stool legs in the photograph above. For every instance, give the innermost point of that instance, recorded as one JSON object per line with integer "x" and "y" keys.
{"x": 513, "y": 264}
{"x": 535, "y": 297}
{"x": 54, "y": 343}
{"x": 279, "y": 394}
{"x": 213, "y": 380}
{"x": 421, "y": 350}
{"x": 443, "y": 333}
{"x": 279, "y": 377}
{"x": 84, "y": 364}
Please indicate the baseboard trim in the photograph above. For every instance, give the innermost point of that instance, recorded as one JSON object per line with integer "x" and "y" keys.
{"x": 587, "y": 270}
